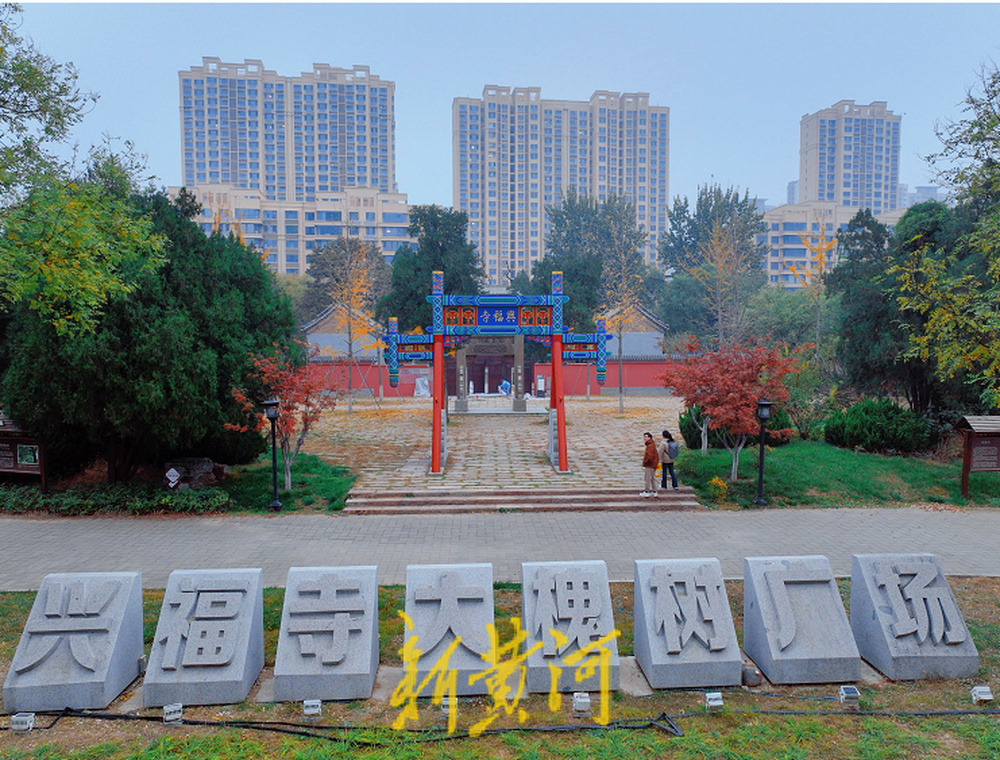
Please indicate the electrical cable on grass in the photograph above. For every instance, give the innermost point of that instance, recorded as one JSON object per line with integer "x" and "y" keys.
{"x": 662, "y": 722}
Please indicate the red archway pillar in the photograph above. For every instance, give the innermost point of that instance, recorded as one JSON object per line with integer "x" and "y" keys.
{"x": 438, "y": 394}
{"x": 558, "y": 400}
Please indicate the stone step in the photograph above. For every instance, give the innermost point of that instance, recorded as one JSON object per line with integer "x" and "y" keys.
{"x": 517, "y": 500}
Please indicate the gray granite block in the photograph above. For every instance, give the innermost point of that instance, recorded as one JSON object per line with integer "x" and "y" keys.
{"x": 905, "y": 618}
{"x": 446, "y": 603}
{"x": 81, "y": 645}
{"x": 209, "y": 642}
{"x": 683, "y": 633}
{"x": 328, "y": 640}
{"x": 794, "y": 624}
{"x": 566, "y": 607}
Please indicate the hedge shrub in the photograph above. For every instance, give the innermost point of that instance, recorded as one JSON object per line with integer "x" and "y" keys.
{"x": 115, "y": 499}
{"x": 877, "y": 425}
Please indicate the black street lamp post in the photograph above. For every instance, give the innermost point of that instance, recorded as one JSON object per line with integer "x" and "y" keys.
{"x": 763, "y": 414}
{"x": 271, "y": 412}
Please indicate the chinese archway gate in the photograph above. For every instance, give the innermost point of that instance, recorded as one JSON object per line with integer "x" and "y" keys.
{"x": 458, "y": 318}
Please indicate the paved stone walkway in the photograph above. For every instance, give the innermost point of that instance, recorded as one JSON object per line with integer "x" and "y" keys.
{"x": 964, "y": 541}
{"x": 389, "y": 445}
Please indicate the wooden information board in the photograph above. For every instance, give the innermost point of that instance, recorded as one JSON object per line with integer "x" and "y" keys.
{"x": 981, "y": 450}
{"x": 19, "y": 452}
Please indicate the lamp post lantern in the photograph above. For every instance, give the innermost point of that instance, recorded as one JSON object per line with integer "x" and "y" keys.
{"x": 271, "y": 412}
{"x": 763, "y": 414}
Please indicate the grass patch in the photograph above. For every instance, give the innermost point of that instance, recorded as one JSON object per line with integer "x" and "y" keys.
{"x": 316, "y": 485}
{"x": 816, "y": 474}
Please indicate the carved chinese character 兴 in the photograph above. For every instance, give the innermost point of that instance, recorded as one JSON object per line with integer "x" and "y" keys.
{"x": 919, "y": 604}
{"x": 688, "y": 605}
{"x": 74, "y": 612}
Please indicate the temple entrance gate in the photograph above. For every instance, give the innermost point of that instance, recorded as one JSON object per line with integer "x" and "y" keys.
{"x": 457, "y": 319}
{"x": 496, "y": 352}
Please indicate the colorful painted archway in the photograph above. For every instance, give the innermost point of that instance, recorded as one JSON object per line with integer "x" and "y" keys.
{"x": 458, "y": 318}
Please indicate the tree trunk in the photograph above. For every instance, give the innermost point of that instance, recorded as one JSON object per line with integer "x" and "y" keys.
{"x": 350, "y": 361}
{"x": 734, "y": 473}
{"x": 621, "y": 380}
{"x": 287, "y": 459}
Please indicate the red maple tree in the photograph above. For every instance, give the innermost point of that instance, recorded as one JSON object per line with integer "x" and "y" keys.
{"x": 727, "y": 384}
{"x": 304, "y": 393}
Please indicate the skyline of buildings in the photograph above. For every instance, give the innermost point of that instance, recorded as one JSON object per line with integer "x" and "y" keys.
{"x": 514, "y": 153}
{"x": 289, "y": 163}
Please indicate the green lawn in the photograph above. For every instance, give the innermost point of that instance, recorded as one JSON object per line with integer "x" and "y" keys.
{"x": 815, "y": 474}
{"x": 315, "y": 485}
{"x": 789, "y": 722}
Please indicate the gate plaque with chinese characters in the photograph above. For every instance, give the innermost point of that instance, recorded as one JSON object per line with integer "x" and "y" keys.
{"x": 794, "y": 625}
{"x": 81, "y": 646}
{"x": 449, "y": 603}
{"x": 209, "y": 642}
{"x": 328, "y": 641}
{"x": 567, "y": 607}
{"x": 684, "y": 635}
{"x": 905, "y": 618}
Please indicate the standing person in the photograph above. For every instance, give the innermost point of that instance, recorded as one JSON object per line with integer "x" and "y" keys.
{"x": 650, "y": 458}
{"x": 668, "y": 450}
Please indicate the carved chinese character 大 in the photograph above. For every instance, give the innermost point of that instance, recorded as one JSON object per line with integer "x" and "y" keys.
{"x": 451, "y": 609}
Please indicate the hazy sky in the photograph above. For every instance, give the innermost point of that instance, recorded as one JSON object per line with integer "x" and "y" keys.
{"x": 737, "y": 77}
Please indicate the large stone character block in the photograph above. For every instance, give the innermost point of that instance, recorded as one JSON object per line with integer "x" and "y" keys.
{"x": 445, "y": 603}
{"x": 209, "y": 642}
{"x": 905, "y": 618}
{"x": 566, "y": 607}
{"x": 684, "y": 635}
{"x": 328, "y": 641}
{"x": 794, "y": 624}
{"x": 81, "y": 645}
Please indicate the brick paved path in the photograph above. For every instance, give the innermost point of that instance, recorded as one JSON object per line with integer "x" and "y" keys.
{"x": 965, "y": 541}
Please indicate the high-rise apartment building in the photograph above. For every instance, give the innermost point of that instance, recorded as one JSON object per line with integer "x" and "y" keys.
{"x": 290, "y": 163}
{"x": 515, "y": 153}
{"x": 291, "y": 137}
{"x": 849, "y": 154}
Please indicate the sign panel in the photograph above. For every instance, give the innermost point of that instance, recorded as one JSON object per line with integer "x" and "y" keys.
{"x": 986, "y": 454}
